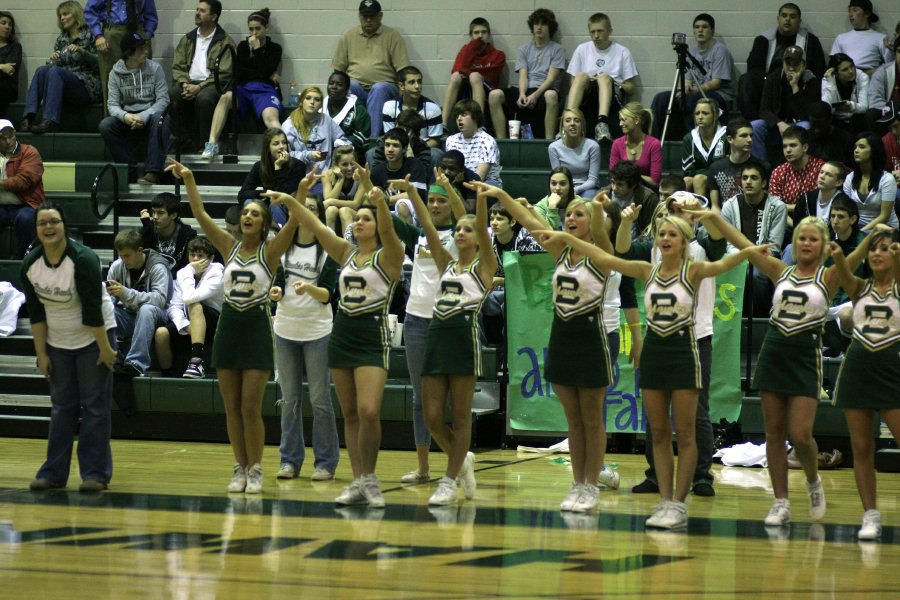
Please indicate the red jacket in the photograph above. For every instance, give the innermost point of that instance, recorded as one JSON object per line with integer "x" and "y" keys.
{"x": 24, "y": 172}
{"x": 478, "y": 58}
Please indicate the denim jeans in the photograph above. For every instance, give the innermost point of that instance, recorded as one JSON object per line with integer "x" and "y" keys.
{"x": 703, "y": 427}
{"x": 79, "y": 387}
{"x": 375, "y": 97}
{"x": 291, "y": 358}
{"x": 140, "y": 326}
{"x": 22, "y": 217}
{"x": 117, "y": 136}
{"x": 54, "y": 85}
{"x": 415, "y": 333}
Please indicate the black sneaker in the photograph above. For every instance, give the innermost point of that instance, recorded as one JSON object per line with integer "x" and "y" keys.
{"x": 645, "y": 487}
{"x": 704, "y": 488}
{"x": 129, "y": 369}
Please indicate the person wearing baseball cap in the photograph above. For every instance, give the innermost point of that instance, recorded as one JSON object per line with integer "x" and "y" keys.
{"x": 371, "y": 54}
{"x": 787, "y": 96}
{"x": 883, "y": 89}
{"x": 21, "y": 185}
{"x": 862, "y": 43}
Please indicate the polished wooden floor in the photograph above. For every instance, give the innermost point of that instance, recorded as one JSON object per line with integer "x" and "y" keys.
{"x": 166, "y": 529}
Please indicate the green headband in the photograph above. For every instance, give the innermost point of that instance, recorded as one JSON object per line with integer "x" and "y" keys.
{"x": 437, "y": 189}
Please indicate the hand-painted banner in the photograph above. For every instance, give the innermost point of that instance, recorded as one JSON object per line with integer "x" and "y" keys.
{"x": 532, "y": 405}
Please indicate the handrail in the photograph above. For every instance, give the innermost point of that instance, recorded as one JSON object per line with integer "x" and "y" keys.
{"x": 221, "y": 89}
{"x": 114, "y": 205}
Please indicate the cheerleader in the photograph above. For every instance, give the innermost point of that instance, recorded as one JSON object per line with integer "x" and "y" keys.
{"x": 453, "y": 350}
{"x": 670, "y": 365}
{"x": 243, "y": 349}
{"x": 789, "y": 367}
{"x": 359, "y": 347}
{"x": 870, "y": 374}
{"x": 579, "y": 378}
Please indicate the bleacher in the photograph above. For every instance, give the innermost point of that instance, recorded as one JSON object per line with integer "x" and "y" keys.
{"x": 192, "y": 409}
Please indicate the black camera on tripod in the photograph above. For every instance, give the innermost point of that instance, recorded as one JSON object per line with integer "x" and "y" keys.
{"x": 679, "y": 41}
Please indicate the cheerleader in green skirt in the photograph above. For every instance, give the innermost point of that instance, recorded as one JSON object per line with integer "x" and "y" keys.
{"x": 243, "y": 348}
{"x": 453, "y": 348}
{"x": 359, "y": 347}
{"x": 870, "y": 374}
{"x": 789, "y": 367}
{"x": 669, "y": 298}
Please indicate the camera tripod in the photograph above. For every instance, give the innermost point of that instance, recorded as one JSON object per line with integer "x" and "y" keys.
{"x": 686, "y": 62}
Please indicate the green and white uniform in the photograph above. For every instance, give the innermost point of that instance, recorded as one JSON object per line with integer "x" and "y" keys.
{"x": 244, "y": 337}
{"x": 453, "y": 345}
{"x": 790, "y": 360}
{"x": 577, "y": 354}
{"x": 670, "y": 359}
{"x": 870, "y": 373}
{"x": 360, "y": 336}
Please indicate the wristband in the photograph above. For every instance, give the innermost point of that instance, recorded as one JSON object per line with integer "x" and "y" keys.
{"x": 634, "y": 324}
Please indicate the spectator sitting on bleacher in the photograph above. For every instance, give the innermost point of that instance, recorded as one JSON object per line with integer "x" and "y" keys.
{"x": 10, "y": 61}
{"x": 233, "y": 221}
{"x": 140, "y": 282}
{"x": 275, "y": 170}
{"x": 535, "y": 98}
{"x": 552, "y": 207}
{"x": 716, "y": 59}
{"x": 705, "y": 144}
{"x": 193, "y": 310}
{"x": 767, "y": 54}
{"x": 884, "y": 86}
{"x": 476, "y": 70}
{"x": 399, "y": 166}
{"x": 579, "y": 154}
{"x": 603, "y": 73}
{"x": 846, "y": 88}
{"x": 411, "y": 122}
{"x": 636, "y": 143}
{"x": 110, "y": 21}
{"x": 194, "y": 95}
{"x": 409, "y": 80}
{"x": 348, "y": 111}
{"x": 481, "y": 152}
{"x": 862, "y": 43}
{"x": 453, "y": 166}
{"x": 818, "y": 201}
{"x": 164, "y": 231}
{"x": 70, "y": 75}
{"x": 21, "y": 176}
{"x": 626, "y": 187}
{"x": 799, "y": 174}
{"x": 724, "y": 178}
{"x": 787, "y": 95}
{"x": 825, "y": 140}
{"x": 312, "y": 135}
{"x": 138, "y": 97}
{"x": 255, "y": 79}
{"x": 341, "y": 193}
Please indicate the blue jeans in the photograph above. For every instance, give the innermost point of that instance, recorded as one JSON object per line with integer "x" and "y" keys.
{"x": 290, "y": 358}
{"x": 375, "y": 97}
{"x": 762, "y": 132}
{"x": 79, "y": 387}
{"x": 54, "y": 85}
{"x": 703, "y": 427}
{"x": 140, "y": 326}
{"x": 118, "y": 135}
{"x": 22, "y": 218}
{"x": 415, "y": 333}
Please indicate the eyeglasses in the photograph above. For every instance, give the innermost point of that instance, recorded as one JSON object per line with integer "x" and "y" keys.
{"x": 49, "y": 223}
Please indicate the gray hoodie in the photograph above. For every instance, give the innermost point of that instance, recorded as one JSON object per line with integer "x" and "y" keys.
{"x": 142, "y": 91}
{"x": 153, "y": 287}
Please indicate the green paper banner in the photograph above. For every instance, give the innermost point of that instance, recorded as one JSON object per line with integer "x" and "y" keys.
{"x": 532, "y": 405}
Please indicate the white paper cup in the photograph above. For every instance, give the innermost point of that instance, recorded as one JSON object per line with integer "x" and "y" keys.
{"x": 397, "y": 336}
{"x": 515, "y": 128}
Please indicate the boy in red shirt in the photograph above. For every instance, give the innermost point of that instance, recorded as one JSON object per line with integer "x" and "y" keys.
{"x": 476, "y": 70}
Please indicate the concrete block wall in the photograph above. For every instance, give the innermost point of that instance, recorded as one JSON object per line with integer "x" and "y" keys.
{"x": 435, "y": 30}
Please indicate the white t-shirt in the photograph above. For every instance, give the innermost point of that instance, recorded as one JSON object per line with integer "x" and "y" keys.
{"x": 301, "y": 318}
{"x": 200, "y": 64}
{"x": 615, "y": 61}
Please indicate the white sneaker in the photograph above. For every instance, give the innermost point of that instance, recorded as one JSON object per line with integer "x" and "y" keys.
{"x": 287, "y": 471}
{"x": 254, "y": 479}
{"x": 673, "y": 517}
{"x": 601, "y": 132}
{"x": 609, "y": 478}
{"x": 871, "y": 526}
{"x": 779, "y": 514}
{"x": 415, "y": 477}
{"x": 371, "y": 489}
{"x": 445, "y": 494}
{"x": 238, "y": 480}
{"x": 816, "y": 499}
{"x": 321, "y": 474}
{"x": 467, "y": 476}
{"x": 352, "y": 495}
{"x": 587, "y": 500}
{"x": 210, "y": 149}
{"x": 658, "y": 511}
{"x": 570, "y": 499}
